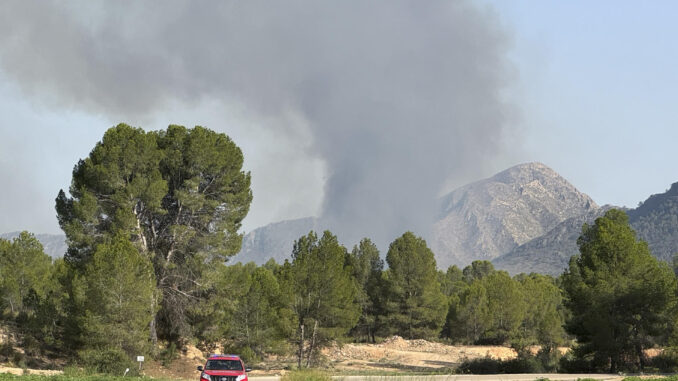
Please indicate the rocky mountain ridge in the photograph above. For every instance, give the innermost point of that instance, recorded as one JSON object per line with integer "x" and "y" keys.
{"x": 491, "y": 217}
{"x": 655, "y": 222}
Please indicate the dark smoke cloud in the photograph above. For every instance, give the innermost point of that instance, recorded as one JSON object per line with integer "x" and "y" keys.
{"x": 399, "y": 96}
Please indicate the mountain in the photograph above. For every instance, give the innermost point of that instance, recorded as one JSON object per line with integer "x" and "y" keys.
{"x": 551, "y": 252}
{"x": 54, "y": 244}
{"x": 491, "y": 217}
{"x": 274, "y": 240}
{"x": 656, "y": 222}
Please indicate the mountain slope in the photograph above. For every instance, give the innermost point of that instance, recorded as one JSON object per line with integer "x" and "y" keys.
{"x": 273, "y": 240}
{"x": 656, "y": 222}
{"x": 491, "y": 217}
{"x": 53, "y": 244}
{"x": 551, "y": 252}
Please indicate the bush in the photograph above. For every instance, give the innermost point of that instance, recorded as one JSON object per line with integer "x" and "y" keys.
{"x": 306, "y": 375}
{"x": 246, "y": 353}
{"x": 485, "y": 365}
{"x": 544, "y": 361}
{"x": 169, "y": 354}
{"x": 570, "y": 363}
{"x": 549, "y": 358}
{"x": 6, "y": 351}
{"x": 522, "y": 365}
{"x": 110, "y": 361}
{"x": 665, "y": 362}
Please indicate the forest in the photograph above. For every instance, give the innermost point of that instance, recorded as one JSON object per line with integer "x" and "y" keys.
{"x": 152, "y": 218}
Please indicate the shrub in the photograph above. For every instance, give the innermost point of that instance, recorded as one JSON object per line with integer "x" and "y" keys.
{"x": 522, "y": 365}
{"x": 665, "y": 362}
{"x": 570, "y": 363}
{"x": 306, "y": 375}
{"x": 109, "y": 361}
{"x": 544, "y": 361}
{"x": 246, "y": 353}
{"x": 169, "y": 354}
{"x": 6, "y": 351}
{"x": 485, "y": 365}
{"x": 549, "y": 358}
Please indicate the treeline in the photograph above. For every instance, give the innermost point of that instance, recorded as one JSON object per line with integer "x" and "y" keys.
{"x": 152, "y": 219}
{"x": 323, "y": 293}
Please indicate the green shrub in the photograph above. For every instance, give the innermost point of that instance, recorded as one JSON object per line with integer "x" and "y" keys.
{"x": 522, "y": 365}
{"x": 169, "y": 354}
{"x": 112, "y": 361}
{"x": 571, "y": 363}
{"x": 544, "y": 361}
{"x": 6, "y": 351}
{"x": 549, "y": 358}
{"x": 246, "y": 353}
{"x": 485, "y": 365}
{"x": 665, "y": 362}
{"x": 306, "y": 375}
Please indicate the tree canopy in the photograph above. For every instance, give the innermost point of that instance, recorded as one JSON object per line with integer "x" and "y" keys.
{"x": 416, "y": 305}
{"x": 621, "y": 298}
{"x": 179, "y": 195}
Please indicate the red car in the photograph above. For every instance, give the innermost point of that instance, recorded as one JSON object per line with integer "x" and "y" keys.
{"x": 223, "y": 368}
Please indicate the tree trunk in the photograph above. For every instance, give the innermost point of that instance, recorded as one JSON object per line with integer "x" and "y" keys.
{"x": 310, "y": 349}
{"x": 301, "y": 345}
{"x": 641, "y": 356}
{"x": 154, "y": 333}
{"x": 153, "y": 329}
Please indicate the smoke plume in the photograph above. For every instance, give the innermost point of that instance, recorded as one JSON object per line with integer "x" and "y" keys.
{"x": 399, "y": 96}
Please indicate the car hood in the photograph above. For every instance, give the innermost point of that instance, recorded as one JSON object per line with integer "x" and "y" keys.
{"x": 224, "y": 372}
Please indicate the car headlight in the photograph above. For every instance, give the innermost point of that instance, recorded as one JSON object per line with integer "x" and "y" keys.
{"x": 241, "y": 377}
{"x": 205, "y": 376}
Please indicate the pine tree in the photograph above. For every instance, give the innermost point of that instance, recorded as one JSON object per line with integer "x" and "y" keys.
{"x": 324, "y": 297}
{"x": 179, "y": 195}
{"x": 415, "y": 305}
{"x": 24, "y": 269}
{"x": 621, "y": 298}
{"x": 367, "y": 268}
{"x": 119, "y": 281}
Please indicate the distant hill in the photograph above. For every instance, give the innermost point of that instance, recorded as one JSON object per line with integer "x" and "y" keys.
{"x": 491, "y": 217}
{"x": 274, "y": 240}
{"x": 656, "y": 221}
{"x": 54, "y": 244}
{"x": 551, "y": 252}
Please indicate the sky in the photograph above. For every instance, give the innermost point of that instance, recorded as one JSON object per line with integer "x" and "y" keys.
{"x": 359, "y": 112}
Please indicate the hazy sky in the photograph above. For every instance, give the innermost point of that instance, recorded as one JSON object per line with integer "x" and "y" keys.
{"x": 358, "y": 111}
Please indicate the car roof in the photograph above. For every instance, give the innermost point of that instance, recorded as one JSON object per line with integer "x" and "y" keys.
{"x": 223, "y": 357}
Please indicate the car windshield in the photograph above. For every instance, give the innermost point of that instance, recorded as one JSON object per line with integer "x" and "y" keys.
{"x": 223, "y": 365}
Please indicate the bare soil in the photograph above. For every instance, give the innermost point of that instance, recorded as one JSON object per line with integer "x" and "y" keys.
{"x": 393, "y": 355}
{"x": 398, "y": 354}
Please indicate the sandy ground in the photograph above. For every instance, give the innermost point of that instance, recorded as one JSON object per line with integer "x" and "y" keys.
{"x": 20, "y": 371}
{"x": 398, "y": 354}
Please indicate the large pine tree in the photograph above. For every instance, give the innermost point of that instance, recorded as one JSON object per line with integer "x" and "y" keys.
{"x": 620, "y": 296}
{"x": 324, "y": 300}
{"x": 415, "y": 303}
{"x": 179, "y": 195}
